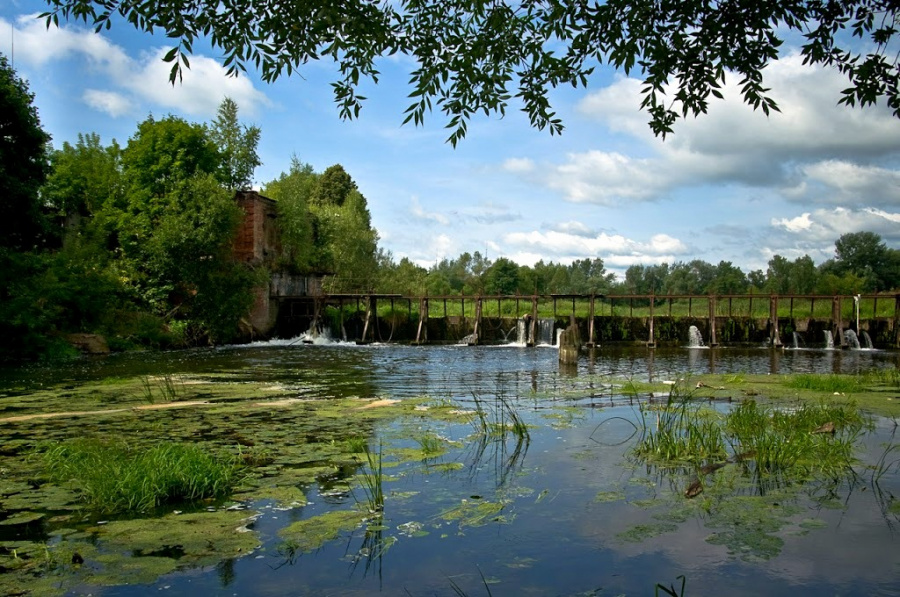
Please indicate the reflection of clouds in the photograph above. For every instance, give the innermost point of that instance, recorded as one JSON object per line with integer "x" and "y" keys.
{"x": 856, "y": 553}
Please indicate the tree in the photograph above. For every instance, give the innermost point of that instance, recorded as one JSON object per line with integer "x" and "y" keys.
{"x": 84, "y": 176}
{"x": 292, "y": 191}
{"x": 24, "y": 163}
{"x": 502, "y": 277}
{"x": 475, "y": 57}
{"x": 864, "y": 255}
{"x": 237, "y": 144}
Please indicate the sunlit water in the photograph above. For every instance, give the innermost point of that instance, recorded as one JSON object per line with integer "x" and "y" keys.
{"x": 553, "y": 536}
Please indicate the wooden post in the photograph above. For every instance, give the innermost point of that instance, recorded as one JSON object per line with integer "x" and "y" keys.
{"x": 591, "y": 324}
{"x": 474, "y": 341}
{"x": 422, "y": 332}
{"x": 897, "y": 321}
{"x": 569, "y": 343}
{"x": 712, "y": 321}
{"x": 837, "y": 323}
{"x": 651, "y": 341}
{"x": 533, "y": 324}
{"x": 368, "y": 321}
{"x": 774, "y": 334}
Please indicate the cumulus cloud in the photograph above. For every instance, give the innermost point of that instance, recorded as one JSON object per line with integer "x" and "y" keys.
{"x": 811, "y": 151}
{"x": 827, "y": 225}
{"x": 110, "y": 102}
{"x": 614, "y": 249}
{"x": 131, "y": 80}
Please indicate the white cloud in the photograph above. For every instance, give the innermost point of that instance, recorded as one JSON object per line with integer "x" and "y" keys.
{"x": 614, "y": 249}
{"x": 813, "y": 151}
{"x": 417, "y": 211}
{"x": 132, "y": 80}
{"x": 827, "y": 225}
{"x": 110, "y": 102}
{"x": 518, "y": 165}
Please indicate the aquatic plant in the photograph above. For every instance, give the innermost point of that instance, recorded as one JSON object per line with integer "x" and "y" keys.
{"x": 499, "y": 419}
{"x": 670, "y": 590}
{"x": 371, "y": 480}
{"x": 115, "y": 477}
{"x": 684, "y": 431}
{"x": 168, "y": 387}
{"x": 826, "y": 383}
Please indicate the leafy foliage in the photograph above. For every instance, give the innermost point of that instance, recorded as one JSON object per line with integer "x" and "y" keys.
{"x": 23, "y": 163}
{"x": 475, "y": 57}
{"x": 237, "y": 145}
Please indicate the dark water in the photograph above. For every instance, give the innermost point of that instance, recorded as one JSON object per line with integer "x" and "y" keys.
{"x": 554, "y": 536}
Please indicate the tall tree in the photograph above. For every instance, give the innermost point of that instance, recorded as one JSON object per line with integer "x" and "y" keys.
{"x": 237, "y": 144}
{"x": 475, "y": 57}
{"x": 24, "y": 163}
{"x": 296, "y": 225}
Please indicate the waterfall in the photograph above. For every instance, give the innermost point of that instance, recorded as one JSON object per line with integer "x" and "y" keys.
{"x": 521, "y": 332}
{"x": 851, "y": 339}
{"x": 545, "y": 330}
{"x": 798, "y": 340}
{"x": 829, "y": 340}
{"x": 695, "y": 340}
{"x": 867, "y": 340}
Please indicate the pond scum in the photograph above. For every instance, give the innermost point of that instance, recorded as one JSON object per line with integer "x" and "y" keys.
{"x": 189, "y": 455}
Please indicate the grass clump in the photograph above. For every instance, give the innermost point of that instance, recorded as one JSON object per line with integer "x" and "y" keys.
{"x": 114, "y": 477}
{"x": 827, "y": 383}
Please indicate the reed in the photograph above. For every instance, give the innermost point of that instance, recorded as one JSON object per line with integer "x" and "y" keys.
{"x": 372, "y": 481}
{"x": 117, "y": 478}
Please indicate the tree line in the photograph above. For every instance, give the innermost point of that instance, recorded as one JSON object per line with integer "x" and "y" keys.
{"x": 862, "y": 264}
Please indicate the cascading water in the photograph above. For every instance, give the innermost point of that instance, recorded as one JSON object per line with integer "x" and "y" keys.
{"x": 867, "y": 340}
{"x": 851, "y": 339}
{"x": 829, "y": 340}
{"x": 545, "y": 329}
{"x": 798, "y": 340}
{"x": 695, "y": 340}
{"x": 521, "y": 332}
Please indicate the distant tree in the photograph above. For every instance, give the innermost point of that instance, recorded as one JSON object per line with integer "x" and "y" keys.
{"x": 333, "y": 187}
{"x": 866, "y": 256}
{"x": 24, "y": 163}
{"x": 729, "y": 279}
{"x": 502, "y": 277}
{"x": 404, "y": 277}
{"x": 237, "y": 145}
{"x": 589, "y": 276}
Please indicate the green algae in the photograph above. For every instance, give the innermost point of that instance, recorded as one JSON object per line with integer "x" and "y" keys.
{"x": 476, "y": 513}
{"x": 603, "y": 497}
{"x": 309, "y": 535}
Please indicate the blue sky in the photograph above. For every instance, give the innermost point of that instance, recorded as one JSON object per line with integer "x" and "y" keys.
{"x": 733, "y": 185}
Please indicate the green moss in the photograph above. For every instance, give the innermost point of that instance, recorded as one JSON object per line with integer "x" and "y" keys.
{"x": 609, "y": 496}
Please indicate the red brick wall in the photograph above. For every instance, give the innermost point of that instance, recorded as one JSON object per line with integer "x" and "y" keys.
{"x": 256, "y": 240}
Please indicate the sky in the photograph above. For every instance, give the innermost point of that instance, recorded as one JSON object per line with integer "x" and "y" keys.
{"x": 733, "y": 185}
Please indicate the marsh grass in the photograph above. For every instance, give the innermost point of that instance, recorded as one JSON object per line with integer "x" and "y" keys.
{"x": 114, "y": 477}
{"x": 430, "y": 444}
{"x": 827, "y": 383}
{"x": 811, "y": 439}
{"x": 372, "y": 482}
{"x": 499, "y": 419}
{"x": 684, "y": 431}
{"x": 169, "y": 387}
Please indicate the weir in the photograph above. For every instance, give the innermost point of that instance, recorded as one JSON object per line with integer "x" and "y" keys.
{"x": 809, "y": 321}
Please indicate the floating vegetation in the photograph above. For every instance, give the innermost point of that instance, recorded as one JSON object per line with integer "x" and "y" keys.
{"x": 826, "y": 383}
{"x": 475, "y": 513}
{"x": 113, "y": 477}
{"x": 309, "y": 535}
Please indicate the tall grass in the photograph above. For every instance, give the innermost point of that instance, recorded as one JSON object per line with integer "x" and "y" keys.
{"x": 683, "y": 431}
{"x": 797, "y": 441}
{"x": 372, "y": 480}
{"x": 117, "y": 478}
{"x": 826, "y": 383}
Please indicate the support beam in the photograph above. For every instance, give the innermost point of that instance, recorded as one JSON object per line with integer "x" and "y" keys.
{"x": 713, "y": 341}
